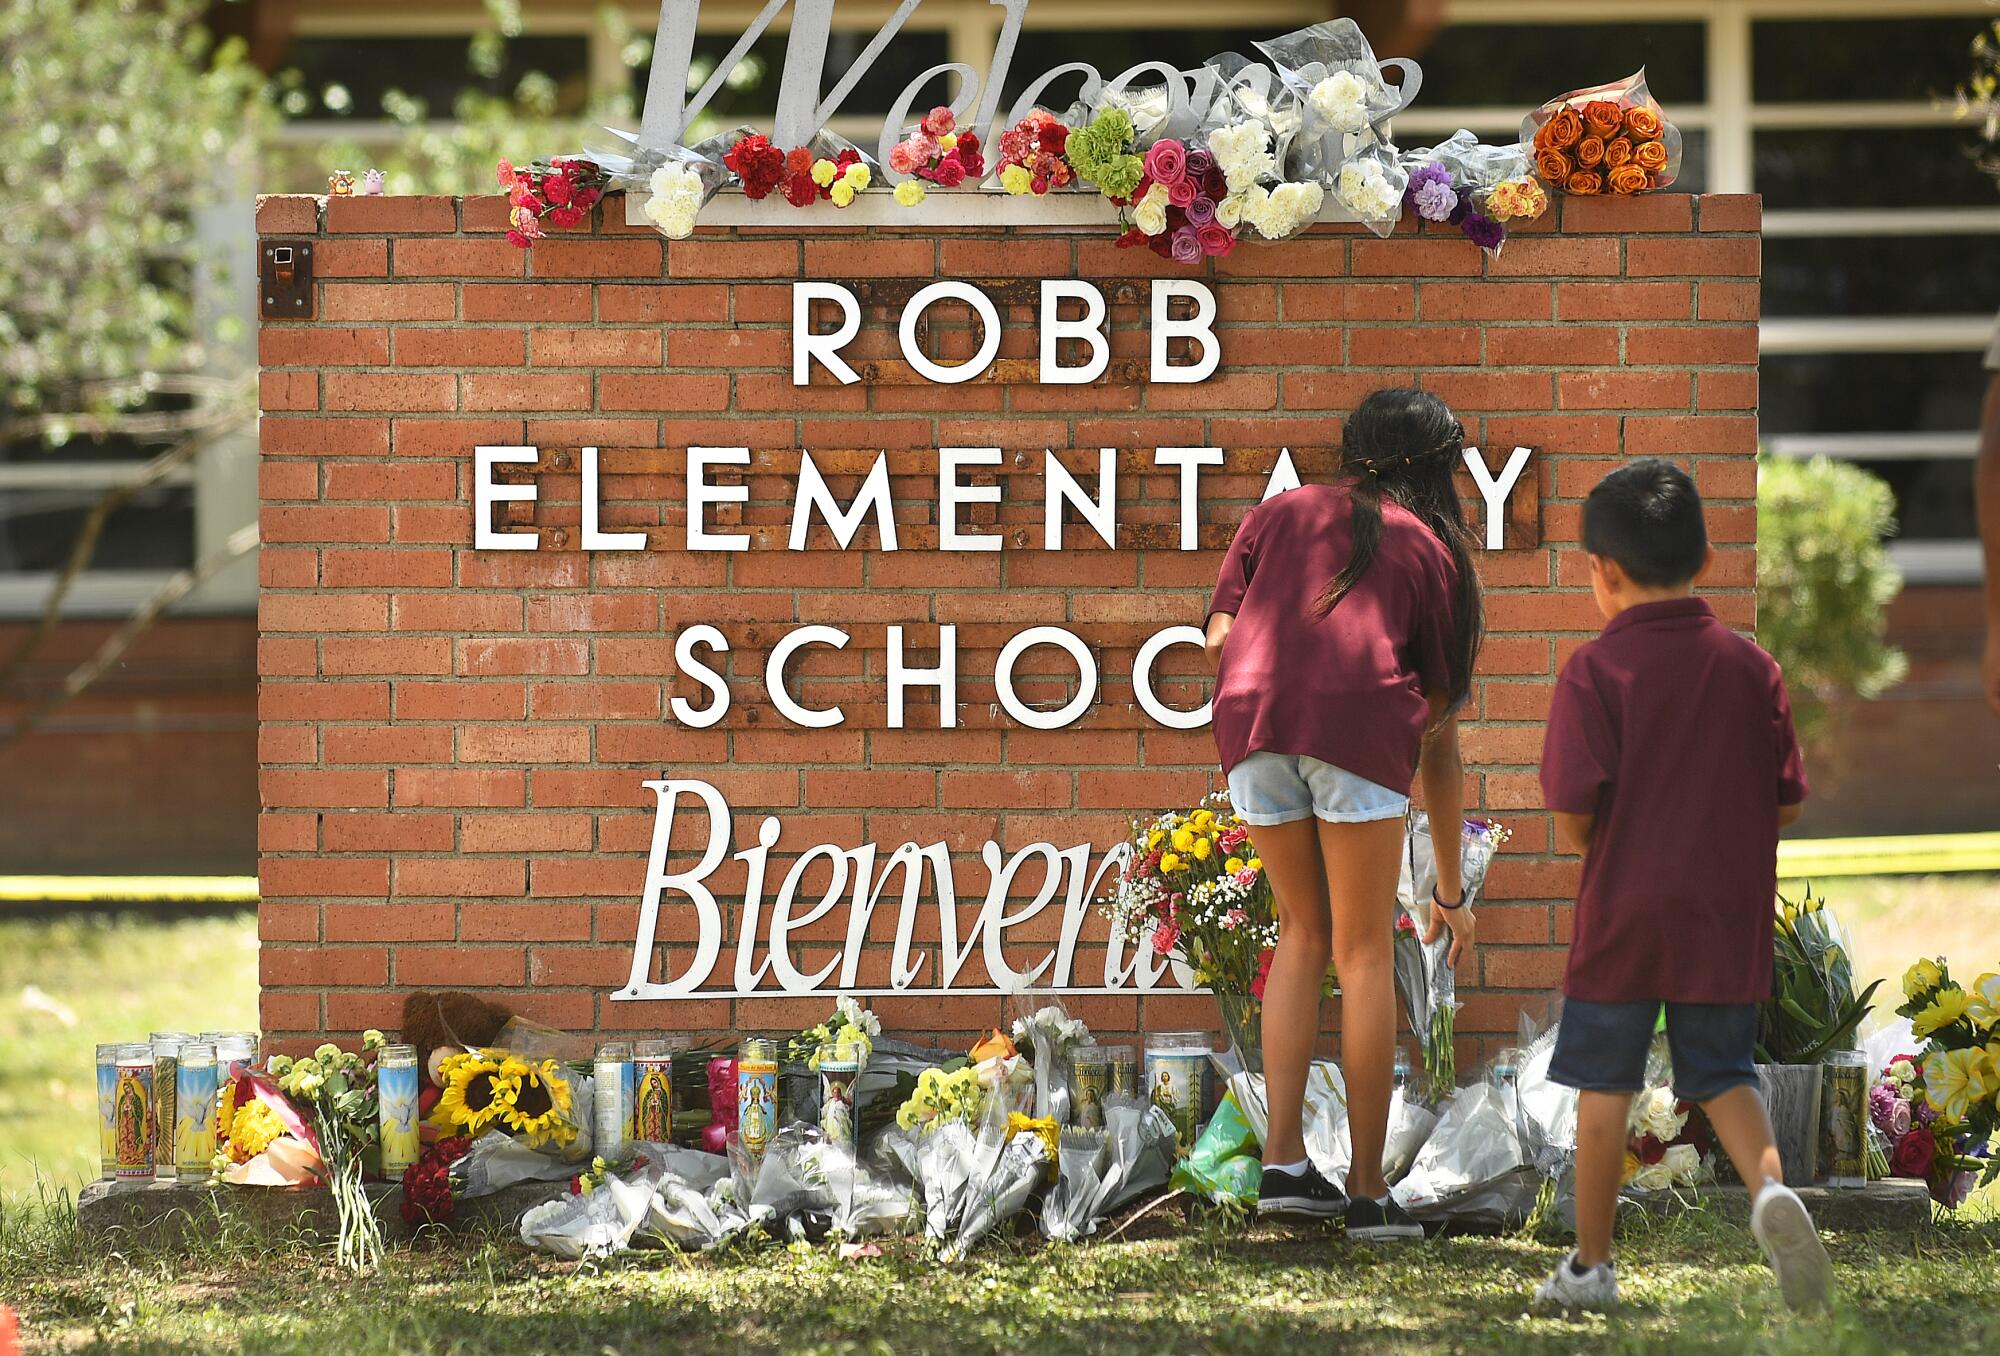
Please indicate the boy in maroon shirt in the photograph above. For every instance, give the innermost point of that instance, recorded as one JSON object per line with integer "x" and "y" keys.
{"x": 1670, "y": 765}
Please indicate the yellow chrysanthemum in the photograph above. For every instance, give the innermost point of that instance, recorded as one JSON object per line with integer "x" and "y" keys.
{"x": 1921, "y": 978}
{"x": 474, "y": 1096}
{"x": 908, "y": 194}
{"x": 823, "y": 172}
{"x": 1016, "y": 180}
{"x": 1955, "y": 1079}
{"x": 1154, "y": 839}
{"x": 1171, "y": 863}
{"x": 1946, "y": 1008}
{"x": 1204, "y": 848}
{"x": 1183, "y": 841}
{"x": 252, "y": 1130}
{"x": 539, "y": 1108}
{"x": 1255, "y": 863}
{"x": 1202, "y": 818}
{"x": 1233, "y": 865}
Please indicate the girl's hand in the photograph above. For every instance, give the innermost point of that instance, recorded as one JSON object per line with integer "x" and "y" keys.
{"x": 1462, "y": 925}
{"x": 1216, "y": 633}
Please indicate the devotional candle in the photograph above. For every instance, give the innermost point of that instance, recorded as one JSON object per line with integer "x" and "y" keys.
{"x": 1175, "y": 1064}
{"x": 756, "y": 1094}
{"x": 653, "y": 1091}
{"x": 107, "y": 1109}
{"x": 609, "y": 1113}
{"x": 839, "y": 1068}
{"x": 396, "y": 1089}
{"x": 132, "y": 1114}
{"x": 166, "y": 1100}
{"x": 194, "y": 1125}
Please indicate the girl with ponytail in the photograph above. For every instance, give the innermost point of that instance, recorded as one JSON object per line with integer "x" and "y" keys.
{"x": 1344, "y": 631}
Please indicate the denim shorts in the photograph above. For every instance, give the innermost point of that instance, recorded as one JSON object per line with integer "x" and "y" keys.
{"x": 1277, "y": 788}
{"x": 1601, "y": 1047}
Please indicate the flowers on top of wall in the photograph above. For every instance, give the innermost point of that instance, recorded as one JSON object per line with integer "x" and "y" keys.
{"x": 561, "y": 191}
{"x": 937, "y": 152}
{"x": 1032, "y": 158}
{"x": 1101, "y": 153}
{"x": 1606, "y": 139}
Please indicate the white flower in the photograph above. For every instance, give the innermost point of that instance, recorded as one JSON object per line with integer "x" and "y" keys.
{"x": 1150, "y": 215}
{"x": 851, "y": 1013}
{"x": 1229, "y": 212}
{"x": 1341, "y": 100}
{"x": 1654, "y": 1113}
{"x": 674, "y": 219}
{"x": 1681, "y": 1166}
{"x": 1282, "y": 211}
{"x": 1364, "y": 189}
{"x": 1241, "y": 151}
{"x": 676, "y": 198}
{"x": 1903, "y": 1071}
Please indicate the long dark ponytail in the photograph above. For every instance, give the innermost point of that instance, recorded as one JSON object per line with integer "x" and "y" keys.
{"x": 1403, "y": 445}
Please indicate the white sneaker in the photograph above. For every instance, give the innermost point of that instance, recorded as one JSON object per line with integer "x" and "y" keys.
{"x": 1785, "y": 1232}
{"x": 1595, "y": 1289}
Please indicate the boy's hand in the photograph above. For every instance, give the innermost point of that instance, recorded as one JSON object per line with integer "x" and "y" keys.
{"x": 1461, "y": 923}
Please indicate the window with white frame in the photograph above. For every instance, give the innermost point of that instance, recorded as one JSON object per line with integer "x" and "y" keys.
{"x": 1882, "y": 241}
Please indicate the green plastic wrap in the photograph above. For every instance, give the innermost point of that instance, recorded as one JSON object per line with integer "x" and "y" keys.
{"x": 1226, "y": 1163}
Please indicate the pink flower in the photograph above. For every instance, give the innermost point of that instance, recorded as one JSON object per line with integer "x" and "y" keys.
{"x": 1899, "y": 1118}
{"x": 1164, "y": 937}
{"x": 506, "y": 175}
{"x": 1235, "y": 918}
{"x": 1166, "y": 161}
{"x": 1263, "y": 973}
{"x": 1182, "y": 191}
{"x": 950, "y": 172}
{"x": 1216, "y": 239}
{"x": 939, "y": 121}
{"x": 1247, "y": 876}
{"x": 902, "y": 159}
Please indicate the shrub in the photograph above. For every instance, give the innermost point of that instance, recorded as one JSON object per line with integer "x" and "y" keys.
{"x": 1825, "y": 582}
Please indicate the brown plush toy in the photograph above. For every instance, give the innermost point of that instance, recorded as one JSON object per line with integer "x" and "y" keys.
{"x": 441, "y": 1024}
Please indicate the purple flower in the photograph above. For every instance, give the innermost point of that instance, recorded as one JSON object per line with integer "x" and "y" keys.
{"x": 1186, "y": 245}
{"x": 1483, "y": 231}
{"x": 1922, "y": 1112}
{"x": 1199, "y": 163}
{"x": 1430, "y": 192}
{"x": 1882, "y": 1101}
{"x": 1200, "y": 212}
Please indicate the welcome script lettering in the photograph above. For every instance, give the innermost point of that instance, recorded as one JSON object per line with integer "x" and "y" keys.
{"x": 1073, "y": 878}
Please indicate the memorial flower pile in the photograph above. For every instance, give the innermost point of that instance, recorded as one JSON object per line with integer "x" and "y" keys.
{"x": 1669, "y": 1146}
{"x": 493, "y": 1090}
{"x": 1476, "y": 188}
{"x": 1813, "y": 1007}
{"x": 1101, "y": 154}
{"x": 850, "y": 1023}
{"x": 336, "y": 1088}
{"x": 1195, "y": 888}
{"x": 1951, "y": 1086}
{"x": 936, "y": 152}
{"x": 1174, "y": 209}
{"x": 427, "y": 1195}
{"x": 1032, "y": 158}
{"x": 560, "y": 191}
{"x": 1607, "y": 139}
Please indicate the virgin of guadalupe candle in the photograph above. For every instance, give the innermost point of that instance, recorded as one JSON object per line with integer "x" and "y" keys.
{"x": 1091, "y": 1071}
{"x": 839, "y": 1067}
{"x": 1175, "y": 1062}
{"x": 132, "y": 1114}
{"x": 756, "y": 1094}
{"x": 166, "y": 1100}
{"x": 107, "y": 1109}
{"x": 653, "y": 1091}
{"x": 609, "y": 1109}
{"x": 396, "y": 1089}
{"x": 1843, "y": 1119}
{"x": 194, "y": 1127}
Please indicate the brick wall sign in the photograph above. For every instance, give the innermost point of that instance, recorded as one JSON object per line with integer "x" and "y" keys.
{"x": 666, "y": 634}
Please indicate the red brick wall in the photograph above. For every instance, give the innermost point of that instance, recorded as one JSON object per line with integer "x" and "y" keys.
{"x": 453, "y": 741}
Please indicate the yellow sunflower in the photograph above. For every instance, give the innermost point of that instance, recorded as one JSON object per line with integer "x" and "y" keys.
{"x": 538, "y": 1110}
{"x": 1946, "y": 1008}
{"x": 475, "y": 1094}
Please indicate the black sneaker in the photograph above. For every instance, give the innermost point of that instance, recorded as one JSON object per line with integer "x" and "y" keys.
{"x": 1380, "y": 1221}
{"x": 1299, "y": 1192}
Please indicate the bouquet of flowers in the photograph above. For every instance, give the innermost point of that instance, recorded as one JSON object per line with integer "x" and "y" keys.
{"x": 1957, "y": 1073}
{"x": 936, "y": 152}
{"x": 1668, "y": 1146}
{"x": 946, "y": 1095}
{"x": 1101, "y": 153}
{"x": 1032, "y": 155}
{"x": 1333, "y": 72}
{"x": 427, "y": 1194}
{"x": 1606, "y": 139}
{"x": 1813, "y": 1007}
{"x": 1371, "y": 186}
{"x": 561, "y": 191}
{"x": 1476, "y": 188}
{"x": 337, "y": 1089}
{"x": 849, "y": 1024}
{"x": 830, "y": 169}
{"x": 1428, "y": 986}
{"x": 1174, "y": 209}
{"x": 494, "y": 1090}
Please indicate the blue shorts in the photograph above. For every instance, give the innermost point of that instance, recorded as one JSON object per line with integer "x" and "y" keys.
{"x": 1601, "y": 1047}
{"x": 1277, "y": 788}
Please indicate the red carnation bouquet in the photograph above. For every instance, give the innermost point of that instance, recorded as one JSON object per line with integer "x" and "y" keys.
{"x": 427, "y": 1197}
{"x": 1031, "y": 154}
{"x": 830, "y": 169}
{"x": 560, "y": 191}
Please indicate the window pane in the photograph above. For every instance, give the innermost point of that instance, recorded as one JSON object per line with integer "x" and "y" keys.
{"x": 434, "y": 69}
{"x": 1470, "y": 65}
{"x": 1934, "y": 499}
{"x": 1693, "y": 177}
{"x": 750, "y": 93}
{"x": 154, "y": 531}
{"x": 40, "y": 449}
{"x": 1861, "y": 60}
{"x": 1846, "y": 167}
{"x": 1876, "y": 275}
{"x": 1874, "y": 392}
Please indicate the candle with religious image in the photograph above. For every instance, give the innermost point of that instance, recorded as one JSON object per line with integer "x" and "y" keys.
{"x": 396, "y": 1089}
{"x": 610, "y": 1115}
{"x": 1091, "y": 1078}
{"x": 166, "y": 1100}
{"x": 839, "y": 1067}
{"x": 653, "y": 1091}
{"x": 756, "y": 1094}
{"x": 107, "y": 1109}
{"x": 132, "y": 1113}
{"x": 1175, "y": 1064}
{"x": 194, "y": 1124}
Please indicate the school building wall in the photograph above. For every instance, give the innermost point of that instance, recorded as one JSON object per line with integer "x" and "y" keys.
{"x": 452, "y": 741}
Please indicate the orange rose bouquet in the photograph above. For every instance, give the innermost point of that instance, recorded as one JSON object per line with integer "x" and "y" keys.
{"x": 1607, "y": 139}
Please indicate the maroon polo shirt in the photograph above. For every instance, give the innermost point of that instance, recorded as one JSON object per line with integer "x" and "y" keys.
{"x": 1347, "y": 688}
{"x": 1675, "y": 732}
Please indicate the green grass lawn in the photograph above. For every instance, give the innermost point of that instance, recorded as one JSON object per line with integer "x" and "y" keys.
{"x": 67, "y": 984}
{"x": 1692, "y": 1284}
